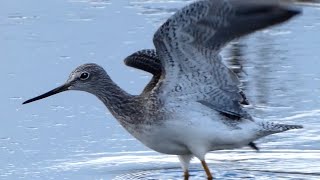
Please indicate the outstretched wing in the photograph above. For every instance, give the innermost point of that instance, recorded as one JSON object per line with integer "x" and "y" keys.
{"x": 146, "y": 60}
{"x": 188, "y": 45}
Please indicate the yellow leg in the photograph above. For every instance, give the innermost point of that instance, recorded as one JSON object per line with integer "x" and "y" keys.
{"x": 186, "y": 175}
{"x": 205, "y": 167}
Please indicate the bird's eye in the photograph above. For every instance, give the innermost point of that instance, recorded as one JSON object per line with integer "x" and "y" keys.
{"x": 84, "y": 76}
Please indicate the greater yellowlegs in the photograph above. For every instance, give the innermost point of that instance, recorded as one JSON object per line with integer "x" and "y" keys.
{"x": 193, "y": 105}
{"x": 148, "y": 60}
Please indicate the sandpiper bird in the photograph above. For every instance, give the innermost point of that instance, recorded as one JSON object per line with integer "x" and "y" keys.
{"x": 193, "y": 104}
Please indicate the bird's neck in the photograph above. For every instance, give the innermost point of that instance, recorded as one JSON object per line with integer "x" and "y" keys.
{"x": 115, "y": 99}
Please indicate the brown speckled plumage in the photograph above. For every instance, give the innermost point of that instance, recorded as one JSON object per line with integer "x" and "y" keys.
{"x": 183, "y": 111}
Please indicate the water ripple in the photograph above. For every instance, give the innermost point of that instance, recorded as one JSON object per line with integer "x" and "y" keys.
{"x": 225, "y": 164}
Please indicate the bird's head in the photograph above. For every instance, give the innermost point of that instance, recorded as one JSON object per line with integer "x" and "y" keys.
{"x": 84, "y": 78}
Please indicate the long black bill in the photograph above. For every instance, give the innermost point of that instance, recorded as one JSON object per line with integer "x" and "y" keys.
{"x": 50, "y": 93}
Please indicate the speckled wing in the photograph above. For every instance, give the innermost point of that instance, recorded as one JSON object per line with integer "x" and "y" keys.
{"x": 189, "y": 42}
{"x": 146, "y": 60}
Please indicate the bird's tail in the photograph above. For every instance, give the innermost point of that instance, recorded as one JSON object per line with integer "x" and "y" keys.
{"x": 268, "y": 128}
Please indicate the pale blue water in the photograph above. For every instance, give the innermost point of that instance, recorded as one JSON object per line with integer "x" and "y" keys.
{"x": 73, "y": 136}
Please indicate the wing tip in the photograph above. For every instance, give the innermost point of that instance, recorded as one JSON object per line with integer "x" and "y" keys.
{"x": 253, "y": 146}
{"x": 293, "y": 10}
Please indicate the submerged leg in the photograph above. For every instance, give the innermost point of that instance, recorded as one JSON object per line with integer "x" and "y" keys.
{"x": 185, "y": 161}
{"x": 205, "y": 167}
{"x": 186, "y": 175}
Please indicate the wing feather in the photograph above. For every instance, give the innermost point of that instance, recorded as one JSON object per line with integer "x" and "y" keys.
{"x": 146, "y": 60}
{"x": 189, "y": 42}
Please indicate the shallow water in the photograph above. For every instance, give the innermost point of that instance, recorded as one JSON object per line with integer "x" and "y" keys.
{"x": 72, "y": 136}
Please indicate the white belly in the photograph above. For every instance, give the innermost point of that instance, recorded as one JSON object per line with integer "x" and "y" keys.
{"x": 196, "y": 129}
{"x": 180, "y": 137}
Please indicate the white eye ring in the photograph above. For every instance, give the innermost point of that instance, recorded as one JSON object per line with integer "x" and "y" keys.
{"x": 84, "y": 76}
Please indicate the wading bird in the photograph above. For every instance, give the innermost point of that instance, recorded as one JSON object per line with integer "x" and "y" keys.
{"x": 193, "y": 104}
